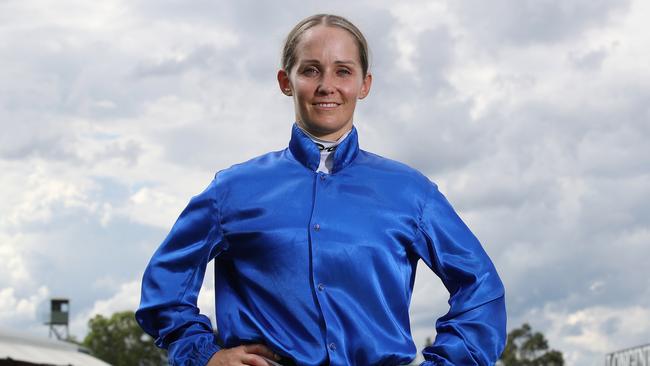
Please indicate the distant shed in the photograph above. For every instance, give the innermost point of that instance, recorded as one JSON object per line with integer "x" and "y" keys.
{"x": 18, "y": 349}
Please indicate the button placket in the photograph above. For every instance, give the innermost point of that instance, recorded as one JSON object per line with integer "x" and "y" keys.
{"x": 318, "y": 215}
{"x": 314, "y": 238}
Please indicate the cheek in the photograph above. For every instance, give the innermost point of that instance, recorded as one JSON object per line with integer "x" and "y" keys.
{"x": 303, "y": 90}
{"x": 352, "y": 89}
{"x": 352, "y": 93}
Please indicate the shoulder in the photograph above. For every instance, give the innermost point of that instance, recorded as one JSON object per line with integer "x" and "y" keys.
{"x": 252, "y": 168}
{"x": 239, "y": 179}
{"x": 393, "y": 169}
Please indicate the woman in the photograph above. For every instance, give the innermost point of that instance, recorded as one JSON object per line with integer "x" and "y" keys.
{"x": 316, "y": 246}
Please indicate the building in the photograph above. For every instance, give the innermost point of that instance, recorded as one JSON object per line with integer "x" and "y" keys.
{"x": 635, "y": 356}
{"x": 17, "y": 349}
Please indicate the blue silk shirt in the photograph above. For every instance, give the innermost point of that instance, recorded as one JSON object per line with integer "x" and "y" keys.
{"x": 320, "y": 267}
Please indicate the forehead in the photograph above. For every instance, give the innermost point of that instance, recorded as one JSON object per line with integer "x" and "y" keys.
{"x": 327, "y": 42}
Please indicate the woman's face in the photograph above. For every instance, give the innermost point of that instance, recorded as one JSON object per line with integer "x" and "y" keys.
{"x": 326, "y": 81}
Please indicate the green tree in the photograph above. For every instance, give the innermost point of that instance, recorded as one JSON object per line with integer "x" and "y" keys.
{"x": 525, "y": 348}
{"x": 120, "y": 341}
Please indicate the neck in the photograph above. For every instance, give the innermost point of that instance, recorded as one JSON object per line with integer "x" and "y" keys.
{"x": 329, "y": 141}
{"x": 309, "y": 153}
{"x": 326, "y": 150}
{"x": 325, "y": 137}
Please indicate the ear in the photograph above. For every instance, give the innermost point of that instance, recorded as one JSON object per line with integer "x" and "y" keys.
{"x": 284, "y": 83}
{"x": 365, "y": 87}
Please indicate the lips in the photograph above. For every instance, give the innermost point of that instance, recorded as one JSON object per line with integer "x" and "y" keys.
{"x": 326, "y": 105}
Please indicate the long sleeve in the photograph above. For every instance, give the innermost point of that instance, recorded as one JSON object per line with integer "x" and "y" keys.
{"x": 473, "y": 332}
{"x": 172, "y": 280}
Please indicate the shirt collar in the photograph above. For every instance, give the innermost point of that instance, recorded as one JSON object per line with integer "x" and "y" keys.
{"x": 308, "y": 154}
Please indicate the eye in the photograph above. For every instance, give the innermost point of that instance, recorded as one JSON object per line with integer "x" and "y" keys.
{"x": 310, "y": 71}
{"x": 344, "y": 72}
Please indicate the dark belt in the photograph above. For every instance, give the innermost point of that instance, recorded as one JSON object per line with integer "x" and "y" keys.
{"x": 286, "y": 361}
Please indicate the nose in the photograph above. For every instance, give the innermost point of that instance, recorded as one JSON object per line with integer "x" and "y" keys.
{"x": 326, "y": 85}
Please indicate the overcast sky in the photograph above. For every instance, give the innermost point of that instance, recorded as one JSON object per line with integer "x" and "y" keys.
{"x": 532, "y": 116}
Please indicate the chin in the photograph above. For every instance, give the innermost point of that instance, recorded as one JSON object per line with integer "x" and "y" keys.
{"x": 328, "y": 126}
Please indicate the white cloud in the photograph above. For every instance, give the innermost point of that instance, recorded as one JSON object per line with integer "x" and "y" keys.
{"x": 14, "y": 269}
{"x": 206, "y": 301}
{"x": 152, "y": 207}
{"x": 428, "y": 303}
{"x": 531, "y": 116}
{"x": 125, "y": 298}
{"x": 15, "y": 310}
{"x": 43, "y": 194}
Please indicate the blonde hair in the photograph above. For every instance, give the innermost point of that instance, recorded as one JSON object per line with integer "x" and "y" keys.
{"x": 291, "y": 43}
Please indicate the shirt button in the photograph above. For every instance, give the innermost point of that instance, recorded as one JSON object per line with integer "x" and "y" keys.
{"x": 322, "y": 177}
{"x": 332, "y": 346}
{"x": 316, "y": 227}
{"x": 321, "y": 287}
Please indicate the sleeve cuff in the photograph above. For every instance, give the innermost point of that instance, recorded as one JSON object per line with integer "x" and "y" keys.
{"x": 207, "y": 354}
{"x": 193, "y": 351}
{"x": 436, "y": 361}
{"x": 433, "y": 363}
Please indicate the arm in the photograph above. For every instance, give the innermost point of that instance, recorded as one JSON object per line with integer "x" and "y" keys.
{"x": 173, "y": 278}
{"x": 473, "y": 332}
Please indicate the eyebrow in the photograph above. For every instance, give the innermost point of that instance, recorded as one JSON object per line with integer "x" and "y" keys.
{"x": 343, "y": 62}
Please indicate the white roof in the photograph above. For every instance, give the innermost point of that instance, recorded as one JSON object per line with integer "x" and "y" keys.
{"x": 28, "y": 348}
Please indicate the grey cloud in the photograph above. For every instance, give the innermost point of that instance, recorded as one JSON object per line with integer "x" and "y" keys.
{"x": 54, "y": 141}
{"x": 50, "y": 147}
{"x": 266, "y": 26}
{"x": 611, "y": 326}
{"x": 573, "y": 329}
{"x": 204, "y": 57}
{"x": 255, "y": 15}
{"x": 569, "y": 257}
{"x": 378, "y": 25}
{"x": 410, "y": 103}
{"x": 591, "y": 60}
{"x": 128, "y": 151}
{"x": 218, "y": 141}
{"x": 529, "y": 22}
{"x": 436, "y": 139}
{"x": 435, "y": 52}
{"x": 551, "y": 242}
{"x": 435, "y": 49}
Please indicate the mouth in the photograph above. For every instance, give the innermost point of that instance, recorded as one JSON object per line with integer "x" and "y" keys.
{"x": 326, "y": 105}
